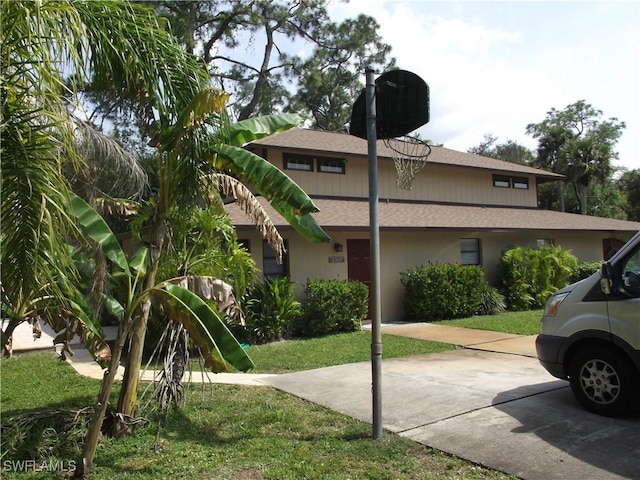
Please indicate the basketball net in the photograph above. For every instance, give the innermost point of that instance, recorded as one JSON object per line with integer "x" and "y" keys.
{"x": 409, "y": 156}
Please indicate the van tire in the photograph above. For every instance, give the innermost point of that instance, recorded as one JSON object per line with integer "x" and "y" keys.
{"x": 604, "y": 382}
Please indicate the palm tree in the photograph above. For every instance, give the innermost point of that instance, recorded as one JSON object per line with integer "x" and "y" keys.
{"x": 50, "y": 51}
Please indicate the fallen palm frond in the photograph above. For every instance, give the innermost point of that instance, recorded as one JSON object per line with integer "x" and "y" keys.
{"x": 40, "y": 434}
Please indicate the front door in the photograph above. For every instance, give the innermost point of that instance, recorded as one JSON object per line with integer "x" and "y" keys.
{"x": 359, "y": 264}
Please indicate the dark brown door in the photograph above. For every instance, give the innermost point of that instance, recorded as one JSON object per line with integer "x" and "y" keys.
{"x": 359, "y": 264}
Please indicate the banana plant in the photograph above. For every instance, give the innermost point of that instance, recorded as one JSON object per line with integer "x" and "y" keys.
{"x": 286, "y": 197}
{"x": 204, "y": 324}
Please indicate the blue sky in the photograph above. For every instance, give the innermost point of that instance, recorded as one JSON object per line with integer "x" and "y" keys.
{"x": 494, "y": 67}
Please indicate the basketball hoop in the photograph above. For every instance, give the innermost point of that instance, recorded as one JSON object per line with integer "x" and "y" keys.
{"x": 409, "y": 156}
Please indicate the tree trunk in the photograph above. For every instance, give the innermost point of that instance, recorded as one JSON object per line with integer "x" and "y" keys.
{"x": 582, "y": 198}
{"x": 263, "y": 76}
{"x": 93, "y": 433}
{"x": 561, "y": 196}
{"x": 128, "y": 393}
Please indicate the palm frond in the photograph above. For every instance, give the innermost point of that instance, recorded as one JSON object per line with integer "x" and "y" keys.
{"x": 111, "y": 170}
{"x": 249, "y": 204}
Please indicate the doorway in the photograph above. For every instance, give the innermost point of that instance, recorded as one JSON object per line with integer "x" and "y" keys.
{"x": 359, "y": 264}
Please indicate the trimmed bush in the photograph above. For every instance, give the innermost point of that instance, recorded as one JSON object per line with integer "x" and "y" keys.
{"x": 441, "y": 292}
{"x": 529, "y": 276}
{"x": 332, "y": 306}
{"x": 585, "y": 270}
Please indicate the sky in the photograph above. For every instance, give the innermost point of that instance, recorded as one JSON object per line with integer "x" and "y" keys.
{"x": 495, "y": 67}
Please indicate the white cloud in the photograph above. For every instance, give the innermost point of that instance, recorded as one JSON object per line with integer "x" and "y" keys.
{"x": 494, "y": 67}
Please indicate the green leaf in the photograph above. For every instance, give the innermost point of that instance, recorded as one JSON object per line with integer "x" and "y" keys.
{"x": 306, "y": 226}
{"x": 140, "y": 260}
{"x": 267, "y": 179}
{"x": 205, "y": 326}
{"x": 255, "y": 128}
{"x": 113, "y": 307}
{"x": 97, "y": 229}
{"x": 282, "y": 192}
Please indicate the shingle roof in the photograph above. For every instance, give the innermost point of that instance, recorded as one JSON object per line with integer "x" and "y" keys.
{"x": 334, "y": 143}
{"x": 354, "y": 215}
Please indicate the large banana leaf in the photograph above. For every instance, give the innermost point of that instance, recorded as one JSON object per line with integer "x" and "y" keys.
{"x": 304, "y": 224}
{"x": 282, "y": 192}
{"x": 254, "y": 128}
{"x": 205, "y": 326}
{"x": 97, "y": 229}
{"x": 74, "y": 322}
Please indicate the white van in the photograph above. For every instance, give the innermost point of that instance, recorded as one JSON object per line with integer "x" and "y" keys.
{"x": 591, "y": 335}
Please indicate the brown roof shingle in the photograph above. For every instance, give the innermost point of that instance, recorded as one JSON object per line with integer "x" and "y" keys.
{"x": 354, "y": 215}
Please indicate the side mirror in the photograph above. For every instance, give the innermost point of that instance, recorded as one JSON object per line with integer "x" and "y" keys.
{"x": 606, "y": 277}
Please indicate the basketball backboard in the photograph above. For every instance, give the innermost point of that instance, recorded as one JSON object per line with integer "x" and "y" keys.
{"x": 402, "y": 105}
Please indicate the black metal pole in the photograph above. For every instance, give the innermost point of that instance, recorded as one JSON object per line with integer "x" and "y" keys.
{"x": 374, "y": 233}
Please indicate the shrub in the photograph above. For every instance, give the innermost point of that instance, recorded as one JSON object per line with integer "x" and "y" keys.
{"x": 332, "y": 306}
{"x": 585, "y": 270}
{"x": 528, "y": 276}
{"x": 440, "y": 292}
{"x": 270, "y": 309}
{"x": 492, "y": 303}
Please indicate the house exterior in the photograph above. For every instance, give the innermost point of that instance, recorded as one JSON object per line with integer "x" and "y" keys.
{"x": 462, "y": 208}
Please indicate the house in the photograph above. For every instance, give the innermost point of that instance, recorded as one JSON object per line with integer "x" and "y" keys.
{"x": 462, "y": 208}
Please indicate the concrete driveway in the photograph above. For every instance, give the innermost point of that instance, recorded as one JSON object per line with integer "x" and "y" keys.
{"x": 501, "y": 410}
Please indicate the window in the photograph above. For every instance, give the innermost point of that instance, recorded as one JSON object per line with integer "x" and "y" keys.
{"x": 270, "y": 267}
{"x": 470, "y": 251}
{"x": 331, "y": 165}
{"x": 501, "y": 181}
{"x": 295, "y": 161}
{"x": 244, "y": 243}
{"x": 521, "y": 183}
{"x": 541, "y": 242}
{"x": 298, "y": 162}
{"x": 504, "y": 181}
{"x": 630, "y": 269}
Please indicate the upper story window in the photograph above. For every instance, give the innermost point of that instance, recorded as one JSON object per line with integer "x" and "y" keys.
{"x": 298, "y": 162}
{"x": 505, "y": 181}
{"x": 501, "y": 181}
{"x": 331, "y": 165}
{"x": 294, "y": 161}
{"x": 521, "y": 183}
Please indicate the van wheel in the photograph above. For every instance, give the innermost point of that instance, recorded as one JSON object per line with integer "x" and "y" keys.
{"x": 603, "y": 381}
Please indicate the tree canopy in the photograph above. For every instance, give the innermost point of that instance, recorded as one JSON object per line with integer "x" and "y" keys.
{"x": 578, "y": 143}
{"x": 510, "y": 151}
{"x": 322, "y": 84}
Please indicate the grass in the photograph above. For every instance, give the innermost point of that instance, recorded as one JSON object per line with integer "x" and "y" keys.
{"x": 224, "y": 432}
{"x": 293, "y": 356}
{"x": 520, "y": 323}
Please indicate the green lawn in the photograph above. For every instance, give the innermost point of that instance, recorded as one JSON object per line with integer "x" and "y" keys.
{"x": 293, "y": 356}
{"x": 520, "y": 323}
{"x": 224, "y": 432}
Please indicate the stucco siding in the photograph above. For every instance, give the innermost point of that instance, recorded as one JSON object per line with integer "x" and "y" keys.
{"x": 402, "y": 250}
